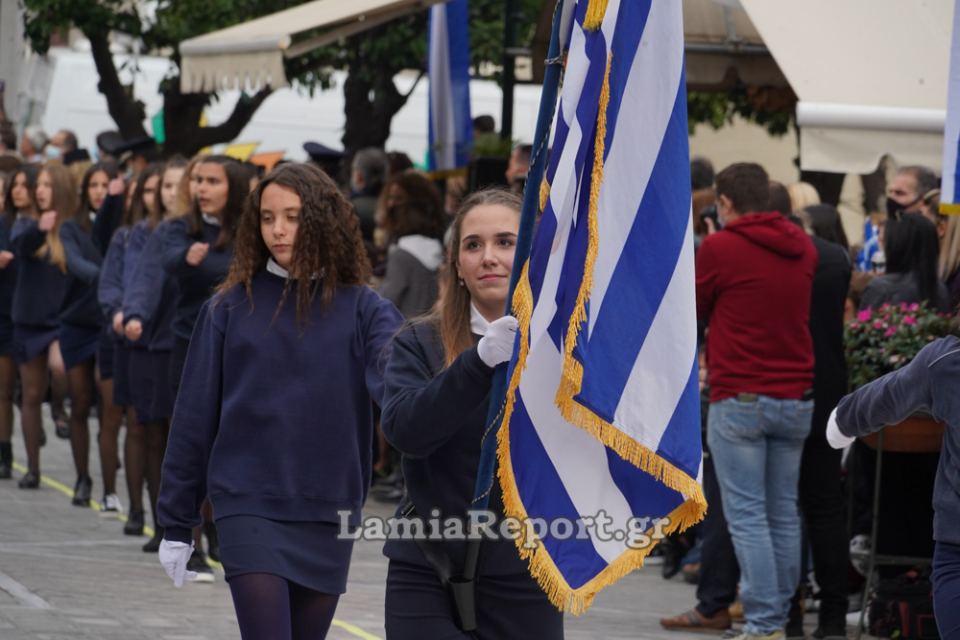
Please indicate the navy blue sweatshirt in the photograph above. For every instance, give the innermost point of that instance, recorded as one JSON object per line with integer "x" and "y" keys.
{"x": 435, "y": 417}
{"x": 929, "y": 385}
{"x": 41, "y": 285}
{"x": 152, "y": 294}
{"x": 8, "y": 276}
{"x": 107, "y": 221}
{"x": 110, "y": 291}
{"x": 196, "y": 284}
{"x": 80, "y": 307}
{"x": 270, "y": 422}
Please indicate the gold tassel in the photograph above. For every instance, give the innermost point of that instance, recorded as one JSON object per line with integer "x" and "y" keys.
{"x": 594, "y": 16}
{"x": 544, "y": 193}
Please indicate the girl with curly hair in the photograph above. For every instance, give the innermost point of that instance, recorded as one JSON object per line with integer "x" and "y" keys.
{"x": 274, "y": 417}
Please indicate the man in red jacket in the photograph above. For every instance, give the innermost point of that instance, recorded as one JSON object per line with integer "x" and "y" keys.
{"x": 753, "y": 290}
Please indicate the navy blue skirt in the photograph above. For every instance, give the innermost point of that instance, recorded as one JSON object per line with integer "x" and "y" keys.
{"x": 7, "y": 345}
{"x": 150, "y": 390}
{"x": 105, "y": 353}
{"x": 306, "y": 553}
{"x": 30, "y": 340}
{"x": 78, "y": 344}
{"x": 121, "y": 374}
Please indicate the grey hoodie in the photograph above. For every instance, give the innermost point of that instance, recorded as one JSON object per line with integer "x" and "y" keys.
{"x": 930, "y": 384}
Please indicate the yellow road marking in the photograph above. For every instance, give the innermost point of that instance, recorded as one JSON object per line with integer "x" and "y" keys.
{"x": 352, "y": 629}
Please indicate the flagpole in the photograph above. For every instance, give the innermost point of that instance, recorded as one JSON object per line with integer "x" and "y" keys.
{"x": 528, "y": 216}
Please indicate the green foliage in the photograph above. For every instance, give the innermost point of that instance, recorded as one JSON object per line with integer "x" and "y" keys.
{"x": 770, "y": 108}
{"x": 885, "y": 339}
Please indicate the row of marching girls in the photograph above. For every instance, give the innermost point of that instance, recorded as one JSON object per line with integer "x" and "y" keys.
{"x": 173, "y": 249}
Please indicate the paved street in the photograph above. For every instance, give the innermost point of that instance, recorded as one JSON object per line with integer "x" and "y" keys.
{"x": 67, "y": 573}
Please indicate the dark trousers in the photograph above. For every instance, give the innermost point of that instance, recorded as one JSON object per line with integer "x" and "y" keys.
{"x": 719, "y": 571}
{"x": 822, "y": 507}
{"x": 178, "y": 355}
{"x": 946, "y": 589}
{"x": 418, "y": 606}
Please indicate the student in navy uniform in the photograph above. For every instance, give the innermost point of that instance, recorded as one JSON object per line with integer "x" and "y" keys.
{"x": 18, "y": 196}
{"x": 927, "y": 385}
{"x": 102, "y": 192}
{"x": 41, "y": 285}
{"x": 437, "y": 392}
{"x": 113, "y": 277}
{"x": 197, "y": 249}
{"x": 148, "y": 304}
{"x": 275, "y": 413}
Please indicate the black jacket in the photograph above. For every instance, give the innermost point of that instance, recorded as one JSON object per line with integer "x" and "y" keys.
{"x": 831, "y": 281}
{"x": 435, "y": 417}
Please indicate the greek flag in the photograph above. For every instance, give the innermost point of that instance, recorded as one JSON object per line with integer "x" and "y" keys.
{"x": 451, "y": 128}
{"x": 871, "y": 245}
{"x": 950, "y": 185}
{"x": 599, "y": 448}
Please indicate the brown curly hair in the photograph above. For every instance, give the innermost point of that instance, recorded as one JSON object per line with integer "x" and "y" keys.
{"x": 328, "y": 251}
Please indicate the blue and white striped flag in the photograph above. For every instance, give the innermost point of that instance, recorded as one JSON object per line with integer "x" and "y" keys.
{"x": 448, "y": 67}
{"x": 950, "y": 185}
{"x": 601, "y": 427}
{"x": 871, "y": 245}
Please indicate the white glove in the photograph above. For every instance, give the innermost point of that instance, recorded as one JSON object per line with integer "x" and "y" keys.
{"x": 174, "y": 557}
{"x": 836, "y": 439}
{"x": 497, "y": 345}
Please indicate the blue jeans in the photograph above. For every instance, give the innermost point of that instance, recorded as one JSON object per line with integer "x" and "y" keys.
{"x": 756, "y": 445}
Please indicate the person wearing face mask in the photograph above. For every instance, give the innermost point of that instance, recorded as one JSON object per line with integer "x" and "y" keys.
{"x": 275, "y": 411}
{"x": 437, "y": 391}
{"x": 907, "y": 188}
{"x": 33, "y": 142}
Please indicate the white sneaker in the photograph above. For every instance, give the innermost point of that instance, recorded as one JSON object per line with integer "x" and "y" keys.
{"x": 111, "y": 506}
{"x": 773, "y": 635}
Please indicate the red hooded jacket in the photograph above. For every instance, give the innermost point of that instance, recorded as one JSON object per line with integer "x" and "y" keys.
{"x": 753, "y": 290}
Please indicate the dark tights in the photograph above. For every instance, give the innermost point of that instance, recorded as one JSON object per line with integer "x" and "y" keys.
{"x": 156, "y": 444}
{"x": 33, "y": 376}
{"x": 111, "y": 417}
{"x": 8, "y": 381}
{"x": 80, "y": 384}
{"x": 135, "y": 459}
{"x": 270, "y": 608}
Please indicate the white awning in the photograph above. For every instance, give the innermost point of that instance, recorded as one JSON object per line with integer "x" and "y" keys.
{"x": 871, "y": 77}
{"x": 250, "y": 55}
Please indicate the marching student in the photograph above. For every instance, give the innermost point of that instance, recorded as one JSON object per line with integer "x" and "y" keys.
{"x": 113, "y": 276}
{"x": 148, "y": 303}
{"x": 40, "y": 288}
{"x": 81, "y": 323}
{"x": 18, "y": 197}
{"x": 197, "y": 249}
{"x": 274, "y": 415}
{"x": 437, "y": 391}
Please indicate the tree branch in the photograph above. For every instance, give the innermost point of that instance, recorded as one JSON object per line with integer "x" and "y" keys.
{"x": 121, "y": 106}
{"x": 242, "y": 113}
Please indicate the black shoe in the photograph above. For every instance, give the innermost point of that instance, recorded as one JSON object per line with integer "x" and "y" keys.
{"x": 198, "y": 563}
{"x": 62, "y": 428}
{"x": 82, "y": 491}
{"x": 134, "y": 524}
{"x": 153, "y": 544}
{"x": 830, "y": 633}
{"x": 30, "y": 480}
{"x": 6, "y": 470}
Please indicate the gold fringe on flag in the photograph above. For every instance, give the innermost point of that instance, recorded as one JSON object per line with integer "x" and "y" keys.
{"x": 594, "y": 16}
{"x": 542, "y": 566}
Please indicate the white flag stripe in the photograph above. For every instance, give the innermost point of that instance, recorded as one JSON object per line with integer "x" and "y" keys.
{"x": 442, "y": 94}
{"x": 579, "y": 459}
{"x": 662, "y": 369}
{"x": 648, "y": 101}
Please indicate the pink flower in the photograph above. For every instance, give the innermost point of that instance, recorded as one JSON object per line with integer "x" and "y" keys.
{"x": 865, "y": 315}
{"x": 913, "y": 307}
{"x": 890, "y": 332}
{"x": 910, "y": 320}
{"x": 878, "y": 324}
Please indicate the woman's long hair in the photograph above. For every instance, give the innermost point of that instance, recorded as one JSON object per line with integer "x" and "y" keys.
{"x": 184, "y": 200}
{"x": 238, "y": 188}
{"x": 66, "y": 202}
{"x": 823, "y": 220}
{"x": 328, "y": 250}
{"x": 108, "y": 168}
{"x": 452, "y": 314}
{"x": 176, "y": 162}
{"x": 29, "y": 171}
{"x": 912, "y": 246}
{"x": 950, "y": 248}
{"x": 138, "y": 208}
{"x": 420, "y": 213}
